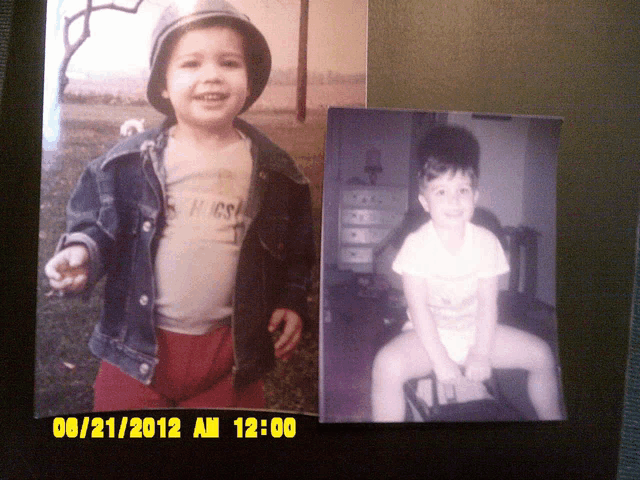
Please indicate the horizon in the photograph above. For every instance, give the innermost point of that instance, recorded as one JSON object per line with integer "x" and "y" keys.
{"x": 337, "y": 42}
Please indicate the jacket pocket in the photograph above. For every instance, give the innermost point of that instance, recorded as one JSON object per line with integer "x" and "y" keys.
{"x": 108, "y": 219}
{"x": 119, "y": 221}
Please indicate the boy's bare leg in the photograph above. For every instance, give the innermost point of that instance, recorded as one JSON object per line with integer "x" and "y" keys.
{"x": 514, "y": 348}
{"x": 402, "y": 358}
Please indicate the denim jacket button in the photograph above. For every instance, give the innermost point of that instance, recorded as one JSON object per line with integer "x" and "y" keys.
{"x": 263, "y": 175}
{"x": 146, "y": 226}
{"x": 144, "y": 369}
{"x": 144, "y": 300}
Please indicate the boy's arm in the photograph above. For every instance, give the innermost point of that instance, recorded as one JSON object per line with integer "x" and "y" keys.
{"x": 415, "y": 290}
{"x": 291, "y": 332}
{"x": 301, "y": 252}
{"x": 478, "y": 366}
{"x": 68, "y": 270}
{"x": 83, "y": 227}
{"x": 292, "y": 305}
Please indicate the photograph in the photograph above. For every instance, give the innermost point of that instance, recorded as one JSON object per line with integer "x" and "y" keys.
{"x": 180, "y": 207}
{"x": 438, "y": 282}
{"x": 319, "y": 239}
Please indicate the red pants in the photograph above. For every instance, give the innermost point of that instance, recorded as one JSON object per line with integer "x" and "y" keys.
{"x": 194, "y": 371}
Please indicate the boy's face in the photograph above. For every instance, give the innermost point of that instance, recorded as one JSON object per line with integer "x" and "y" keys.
{"x": 206, "y": 79}
{"x": 450, "y": 199}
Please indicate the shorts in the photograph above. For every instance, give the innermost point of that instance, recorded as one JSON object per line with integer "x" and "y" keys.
{"x": 457, "y": 343}
{"x": 193, "y": 371}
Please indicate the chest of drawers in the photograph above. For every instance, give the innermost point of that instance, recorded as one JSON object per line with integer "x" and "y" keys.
{"x": 367, "y": 216}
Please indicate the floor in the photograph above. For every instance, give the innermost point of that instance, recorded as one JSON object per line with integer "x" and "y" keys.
{"x": 356, "y": 324}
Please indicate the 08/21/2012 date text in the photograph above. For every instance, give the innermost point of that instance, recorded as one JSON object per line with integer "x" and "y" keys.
{"x": 169, "y": 427}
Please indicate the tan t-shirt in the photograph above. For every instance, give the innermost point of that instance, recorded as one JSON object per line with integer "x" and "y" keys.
{"x": 198, "y": 250}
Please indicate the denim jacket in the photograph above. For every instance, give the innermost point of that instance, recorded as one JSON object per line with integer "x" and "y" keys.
{"x": 117, "y": 211}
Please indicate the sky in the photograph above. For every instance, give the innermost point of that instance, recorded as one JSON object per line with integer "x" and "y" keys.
{"x": 120, "y": 42}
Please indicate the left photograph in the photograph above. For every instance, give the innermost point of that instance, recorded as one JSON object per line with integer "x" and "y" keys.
{"x": 182, "y": 166}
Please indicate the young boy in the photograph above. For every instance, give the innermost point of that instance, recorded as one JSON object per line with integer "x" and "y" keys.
{"x": 202, "y": 227}
{"x": 450, "y": 270}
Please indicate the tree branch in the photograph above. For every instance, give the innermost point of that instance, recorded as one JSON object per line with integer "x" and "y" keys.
{"x": 107, "y": 6}
{"x": 71, "y": 48}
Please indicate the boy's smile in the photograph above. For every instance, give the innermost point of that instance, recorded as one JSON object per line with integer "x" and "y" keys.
{"x": 207, "y": 78}
{"x": 450, "y": 199}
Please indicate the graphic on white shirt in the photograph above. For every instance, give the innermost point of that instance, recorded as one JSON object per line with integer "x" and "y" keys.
{"x": 452, "y": 279}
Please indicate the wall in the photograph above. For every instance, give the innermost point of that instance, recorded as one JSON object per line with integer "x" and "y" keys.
{"x": 574, "y": 59}
{"x": 502, "y": 153}
{"x": 539, "y": 208}
{"x": 517, "y": 172}
{"x": 390, "y": 133}
{"x": 350, "y": 133}
{"x": 518, "y": 160}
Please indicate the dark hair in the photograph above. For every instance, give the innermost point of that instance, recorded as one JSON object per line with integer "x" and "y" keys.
{"x": 448, "y": 148}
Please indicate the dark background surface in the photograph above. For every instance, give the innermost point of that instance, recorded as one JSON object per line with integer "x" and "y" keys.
{"x": 577, "y": 59}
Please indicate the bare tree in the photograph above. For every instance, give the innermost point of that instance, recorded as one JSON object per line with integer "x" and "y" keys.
{"x": 71, "y": 48}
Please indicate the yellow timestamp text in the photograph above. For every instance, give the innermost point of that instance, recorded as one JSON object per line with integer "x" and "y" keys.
{"x": 169, "y": 427}
{"x": 134, "y": 427}
{"x": 276, "y": 427}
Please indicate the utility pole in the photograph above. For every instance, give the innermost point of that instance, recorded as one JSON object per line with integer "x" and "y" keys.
{"x": 301, "y": 92}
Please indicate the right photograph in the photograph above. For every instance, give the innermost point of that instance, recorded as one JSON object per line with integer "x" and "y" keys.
{"x": 438, "y": 276}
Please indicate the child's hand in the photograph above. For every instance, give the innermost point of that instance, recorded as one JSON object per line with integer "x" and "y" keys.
{"x": 68, "y": 270}
{"x": 477, "y": 367}
{"x": 447, "y": 371}
{"x": 291, "y": 332}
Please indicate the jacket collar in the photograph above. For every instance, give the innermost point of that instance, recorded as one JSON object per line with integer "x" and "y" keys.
{"x": 269, "y": 155}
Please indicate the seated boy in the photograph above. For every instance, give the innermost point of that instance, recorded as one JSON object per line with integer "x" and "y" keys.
{"x": 450, "y": 270}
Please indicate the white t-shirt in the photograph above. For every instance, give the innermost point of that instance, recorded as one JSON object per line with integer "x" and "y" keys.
{"x": 199, "y": 248}
{"x": 452, "y": 279}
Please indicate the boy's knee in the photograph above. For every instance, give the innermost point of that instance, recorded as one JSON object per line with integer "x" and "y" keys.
{"x": 388, "y": 364}
{"x": 545, "y": 360}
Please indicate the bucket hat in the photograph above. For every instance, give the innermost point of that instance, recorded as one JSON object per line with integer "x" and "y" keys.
{"x": 179, "y": 16}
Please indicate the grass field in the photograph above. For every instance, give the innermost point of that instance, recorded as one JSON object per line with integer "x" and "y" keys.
{"x": 64, "y": 367}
